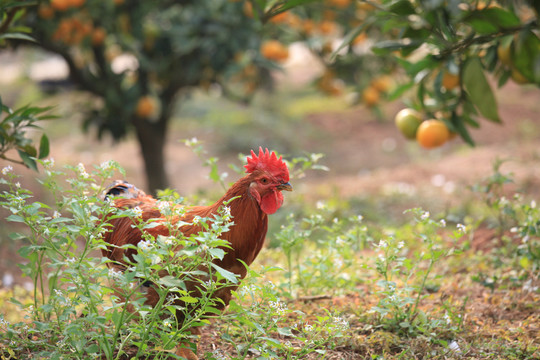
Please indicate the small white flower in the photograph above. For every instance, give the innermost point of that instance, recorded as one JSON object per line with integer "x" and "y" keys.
{"x": 400, "y": 244}
{"x": 56, "y": 215}
{"x": 320, "y": 205}
{"x": 226, "y": 211}
{"x": 70, "y": 260}
{"x": 137, "y": 211}
{"x": 169, "y": 240}
{"x": 454, "y": 347}
{"x": 144, "y": 245}
{"x": 48, "y": 163}
{"x": 163, "y": 206}
{"x": 533, "y": 204}
{"x": 308, "y": 328}
{"x": 461, "y": 228}
{"x": 335, "y": 220}
{"x": 360, "y": 218}
{"x": 447, "y": 318}
{"x": 338, "y": 263}
{"x": 18, "y": 185}
{"x": 7, "y": 169}
{"x": 443, "y": 223}
{"x": 425, "y": 215}
{"x": 341, "y": 323}
{"x": 167, "y": 323}
{"x": 106, "y": 165}
{"x": 382, "y": 244}
{"x": 82, "y": 170}
{"x": 278, "y": 306}
{"x": 113, "y": 273}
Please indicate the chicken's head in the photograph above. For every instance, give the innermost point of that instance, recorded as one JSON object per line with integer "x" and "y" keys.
{"x": 270, "y": 176}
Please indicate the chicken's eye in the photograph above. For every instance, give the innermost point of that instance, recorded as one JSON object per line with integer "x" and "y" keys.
{"x": 264, "y": 181}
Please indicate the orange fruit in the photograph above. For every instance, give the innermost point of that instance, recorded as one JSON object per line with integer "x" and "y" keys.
{"x": 76, "y": 3}
{"x": 339, "y": 3}
{"x": 46, "y": 12}
{"x": 382, "y": 83}
{"x": 360, "y": 38}
{"x": 146, "y": 106}
{"x": 327, "y": 27}
{"x": 407, "y": 121}
{"x": 60, "y": 5}
{"x": 432, "y": 133}
{"x": 371, "y": 96}
{"x": 279, "y": 18}
{"x": 450, "y": 81}
{"x": 274, "y": 50}
{"x": 98, "y": 36}
{"x": 248, "y": 9}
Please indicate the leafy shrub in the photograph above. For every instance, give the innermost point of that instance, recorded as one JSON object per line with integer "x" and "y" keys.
{"x": 75, "y": 310}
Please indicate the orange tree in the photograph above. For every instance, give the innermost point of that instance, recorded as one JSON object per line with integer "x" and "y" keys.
{"x": 170, "y": 48}
{"x": 442, "y": 57}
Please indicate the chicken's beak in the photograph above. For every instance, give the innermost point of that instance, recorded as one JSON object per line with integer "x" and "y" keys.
{"x": 285, "y": 186}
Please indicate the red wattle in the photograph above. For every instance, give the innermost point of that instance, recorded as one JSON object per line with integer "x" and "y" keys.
{"x": 271, "y": 202}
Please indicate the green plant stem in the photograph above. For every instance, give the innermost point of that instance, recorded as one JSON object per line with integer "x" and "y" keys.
{"x": 412, "y": 311}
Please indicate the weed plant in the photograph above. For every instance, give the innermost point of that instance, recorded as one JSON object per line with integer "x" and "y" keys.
{"x": 82, "y": 306}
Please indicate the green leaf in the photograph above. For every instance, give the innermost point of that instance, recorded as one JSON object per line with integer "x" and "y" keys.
{"x": 492, "y": 20}
{"x": 402, "y": 7}
{"x": 527, "y": 55}
{"x": 17, "y": 36}
{"x": 226, "y": 274}
{"x": 460, "y": 128}
{"x": 28, "y": 161}
{"x": 480, "y": 93}
{"x": 170, "y": 281}
{"x": 43, "y": 147}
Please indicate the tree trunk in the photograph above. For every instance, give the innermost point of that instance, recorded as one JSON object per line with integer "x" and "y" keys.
{"x": 152, "y": 138}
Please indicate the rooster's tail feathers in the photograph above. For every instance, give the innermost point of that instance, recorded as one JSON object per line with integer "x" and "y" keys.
{"x": 122, "y": 188}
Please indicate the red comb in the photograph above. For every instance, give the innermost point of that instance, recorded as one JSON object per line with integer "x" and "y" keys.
{"x": 268, "y": 162}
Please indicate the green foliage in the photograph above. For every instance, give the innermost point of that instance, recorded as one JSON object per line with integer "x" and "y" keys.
{"x": 10, "y": 12}
{"x": 13, "y": 127}
{"x": 405, "y": 278}
{"x": 391, "y": 297}
{"x": 15, "y": 123}
{"x": 80, "y": 308}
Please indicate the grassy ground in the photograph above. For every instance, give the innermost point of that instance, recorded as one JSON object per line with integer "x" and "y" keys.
{"x": 388, "y": 285}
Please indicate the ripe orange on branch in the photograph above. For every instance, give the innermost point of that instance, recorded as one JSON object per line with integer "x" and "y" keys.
{"x": 146, "y": 107}
{"x": 274, "y": 50}
{"x": 371, "y": 96}
{"x": 60, "y": 5}
{"x": 450, "y": 81}
{"x": 432, "y": 133}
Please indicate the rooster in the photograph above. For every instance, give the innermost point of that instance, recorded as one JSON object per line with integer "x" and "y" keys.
{"x": 250, "y": 200}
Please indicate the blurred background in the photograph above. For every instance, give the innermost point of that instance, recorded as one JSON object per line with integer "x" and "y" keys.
{"x": 132, "y": 81}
